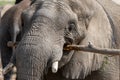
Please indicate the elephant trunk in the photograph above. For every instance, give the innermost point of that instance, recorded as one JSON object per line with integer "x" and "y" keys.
{"x": 33, "y": 63}
{"x": 38, "y": 50}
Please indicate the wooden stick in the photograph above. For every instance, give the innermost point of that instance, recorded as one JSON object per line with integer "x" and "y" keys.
{"x": 8, "y": 68}
{"x": 11, "y": 44}
{"x": 88, "y": 48}
{"x": 91, "y": 48}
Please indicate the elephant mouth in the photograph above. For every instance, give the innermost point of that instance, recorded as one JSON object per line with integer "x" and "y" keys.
{"x": 65, "y": 52}
{"x": 55, "y": 65}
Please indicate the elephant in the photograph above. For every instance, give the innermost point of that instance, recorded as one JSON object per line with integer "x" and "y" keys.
{"x": 1, "y": 76}
{"x": 5, "y": 8}
{"x": 113, "y": 11}
{"x": 51, "y": 25}
{"x": 10, "y": 30}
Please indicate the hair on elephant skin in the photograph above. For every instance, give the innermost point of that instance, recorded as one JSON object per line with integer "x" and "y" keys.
{"x": 10, "y": 29}
{"x": 50, "y": 25}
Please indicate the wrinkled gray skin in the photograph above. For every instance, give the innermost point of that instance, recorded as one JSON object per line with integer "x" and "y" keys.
{"x": 10, "y": 29}
{"x": 52, "y": 24}
{"x": 113, "y": 11}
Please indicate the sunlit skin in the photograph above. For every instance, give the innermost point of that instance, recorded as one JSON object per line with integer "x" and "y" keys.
{"x": 51, "y": 25}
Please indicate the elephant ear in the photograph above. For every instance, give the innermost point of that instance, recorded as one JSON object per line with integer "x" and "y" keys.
{"x": 113, "y": 11}
{"x": 99, "y": 33}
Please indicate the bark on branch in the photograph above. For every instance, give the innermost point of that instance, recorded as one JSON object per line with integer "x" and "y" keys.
{"x": 91, "y": 48}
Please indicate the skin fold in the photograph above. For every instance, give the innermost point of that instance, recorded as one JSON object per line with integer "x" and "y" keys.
{"x": 50, "y": 25}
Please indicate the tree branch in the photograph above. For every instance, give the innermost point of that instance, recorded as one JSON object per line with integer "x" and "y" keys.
{"x": 12, "y": 44}
{"x": 8, "y": 68}
{"x": 91, "y": 48}
{"x": 88, "y": 48}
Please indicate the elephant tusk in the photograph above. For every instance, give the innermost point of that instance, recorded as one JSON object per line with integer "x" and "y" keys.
{"x": 55, "y": 67}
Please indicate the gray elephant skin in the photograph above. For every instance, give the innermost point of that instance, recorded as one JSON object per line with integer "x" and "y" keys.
{"x": 50, "y": 25}
{"x": 10, "y": 29}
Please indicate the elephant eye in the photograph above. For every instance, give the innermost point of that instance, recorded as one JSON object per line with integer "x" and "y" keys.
{"x": 71, "y": 26}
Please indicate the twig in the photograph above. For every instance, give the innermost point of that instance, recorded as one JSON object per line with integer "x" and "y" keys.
{"x": 12, "y": 44}
{"x": 91, "y": 48}
{"x": 8, "y": 68}
{"x": 88, "y": 48}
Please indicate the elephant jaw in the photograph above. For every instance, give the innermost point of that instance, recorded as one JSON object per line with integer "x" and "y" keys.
{"x": 55, "y": 67}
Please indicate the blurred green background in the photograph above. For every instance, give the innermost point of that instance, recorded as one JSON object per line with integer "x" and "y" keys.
{"x": 4, "y": 2}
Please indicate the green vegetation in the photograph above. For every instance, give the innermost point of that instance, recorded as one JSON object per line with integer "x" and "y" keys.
{"x": 3, "y": 2}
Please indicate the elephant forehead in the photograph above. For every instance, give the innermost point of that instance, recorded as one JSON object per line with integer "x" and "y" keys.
{"x": 55, "y": 9}
{"x": 50, "y": 13}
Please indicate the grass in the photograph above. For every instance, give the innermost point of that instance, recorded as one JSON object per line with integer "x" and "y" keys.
{"x": 6, "y": 2}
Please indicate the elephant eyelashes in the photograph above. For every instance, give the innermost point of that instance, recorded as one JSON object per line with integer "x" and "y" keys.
{"x": 71, "y": 26}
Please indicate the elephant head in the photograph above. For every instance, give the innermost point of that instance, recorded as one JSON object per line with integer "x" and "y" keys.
{"x": 53, "y": 24}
